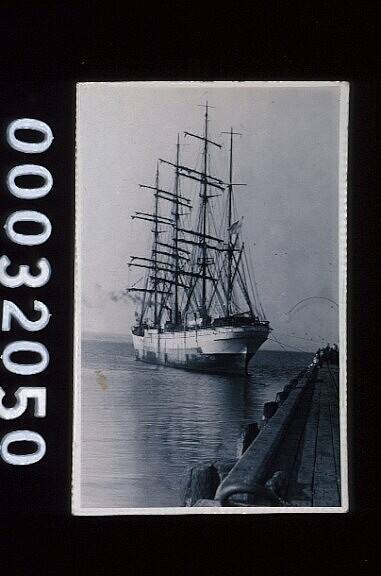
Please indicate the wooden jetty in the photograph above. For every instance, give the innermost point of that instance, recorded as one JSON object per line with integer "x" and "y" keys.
{"x": 294, "y": 460}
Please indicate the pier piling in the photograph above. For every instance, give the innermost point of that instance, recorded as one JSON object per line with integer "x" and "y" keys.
{"x": 247, "y": 437}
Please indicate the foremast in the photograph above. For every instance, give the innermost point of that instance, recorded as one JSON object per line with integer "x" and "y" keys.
{"x": 166, "y": 258}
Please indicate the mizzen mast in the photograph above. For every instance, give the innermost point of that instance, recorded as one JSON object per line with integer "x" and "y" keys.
{"x": 230, "y": 249}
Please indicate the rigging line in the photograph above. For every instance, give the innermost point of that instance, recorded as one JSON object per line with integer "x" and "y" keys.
{"x": 213, "y": 222}
{"x": 142, "y": 308}
{"x": 234, "y": 209}
{"x": 255, "y": 296}
{"x": 219, "y": 276}
{"x": 243, "y": 286}
{"x": 192, "y": 265}
{"x": 197, "y": 155}
{"x": 220, "y": 209}
{"x": 309, "y": 334}
{"x": 236, "y": 270}
{"x": 194, "y": 307}
{"x": 163, "y": 306}
{"x": 212, "y": 165}
{"x": 280, "y": 344}
{"x": 191, "y": 303}
{"x": 250, "y": 271}
{"x": 198, "y": 298}
{"x": 287, "y": 345}
{"x": 148, "y": 303}
{"x": 224, "y": 217}
{"x": 313, "y": 298}
{"x": 182, "y": 299}
{"x": 235, "y": 305}
{"x": 164, "y": 300}
{"x": 217, "y": 292}
{"x": 224, "y": 270}
{"x": 300, "y": 337}
{"x": 192, "y": 290}
{"x": 244, "y": 290}
{"x": 247, "y": 272}
{"x": 256, "y": 286}
{"x": 137, "y": 282}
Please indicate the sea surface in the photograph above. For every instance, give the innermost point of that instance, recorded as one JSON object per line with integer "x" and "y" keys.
{"x": 143, "y": 425}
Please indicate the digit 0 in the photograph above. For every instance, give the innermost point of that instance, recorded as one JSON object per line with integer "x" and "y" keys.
{"x": 22, "y": 436}
{"x": 29, "y": 124}
{"x": 24, "y": 277}
{"x": 29, "y": 170}
{"x": 25, "y": 346}
{"x": 28, "y": 216}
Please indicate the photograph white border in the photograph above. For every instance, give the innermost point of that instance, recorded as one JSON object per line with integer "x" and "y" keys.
{"x": 77, "y": 509}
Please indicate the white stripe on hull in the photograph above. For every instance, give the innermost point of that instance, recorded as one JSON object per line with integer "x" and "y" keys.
{"x": 225, "y": 349}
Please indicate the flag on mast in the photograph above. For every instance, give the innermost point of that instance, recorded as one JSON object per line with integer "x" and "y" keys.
{"x": 236, "y": 227}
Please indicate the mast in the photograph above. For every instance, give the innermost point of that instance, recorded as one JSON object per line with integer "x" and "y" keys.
{"x": 156, "y": 238}
{"x": 230, "y": 250}
{"x": 230, "y": 254}
{"x": 176, "y": 236}
{"x": 206, "y": 180}
{"x": 204, "y": 217}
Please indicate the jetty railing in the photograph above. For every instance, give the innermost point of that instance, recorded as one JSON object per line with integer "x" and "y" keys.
{"x": 249, "y": 478}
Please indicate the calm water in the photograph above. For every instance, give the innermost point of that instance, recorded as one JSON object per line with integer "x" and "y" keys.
{"x": 144, "y": 425}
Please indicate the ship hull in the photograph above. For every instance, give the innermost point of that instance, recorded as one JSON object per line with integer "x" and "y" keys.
{"x": 223, "y": 350}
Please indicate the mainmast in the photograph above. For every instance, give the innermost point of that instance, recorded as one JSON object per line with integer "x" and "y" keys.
{"x": 204, "y": 217}
{"x": 202, "y": 237}
{"x": 206, "y": 180}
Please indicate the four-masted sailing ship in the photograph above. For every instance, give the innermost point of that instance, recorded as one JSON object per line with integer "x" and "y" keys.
{"x": 199, "y": 307}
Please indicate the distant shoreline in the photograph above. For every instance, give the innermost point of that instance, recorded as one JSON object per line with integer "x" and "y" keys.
{"x": 106, "y": 337}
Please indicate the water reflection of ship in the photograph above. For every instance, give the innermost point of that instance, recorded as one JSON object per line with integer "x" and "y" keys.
{"x": 199, "y": 307}
{"x": 197, "y": 423}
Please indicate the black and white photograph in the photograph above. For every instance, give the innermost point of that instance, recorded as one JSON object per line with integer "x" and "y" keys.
{"x": 210, "y": 298}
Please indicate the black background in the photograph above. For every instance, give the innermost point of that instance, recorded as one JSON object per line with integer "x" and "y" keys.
{"x": 44, "y": 486}
{"x": 187, "y": 41}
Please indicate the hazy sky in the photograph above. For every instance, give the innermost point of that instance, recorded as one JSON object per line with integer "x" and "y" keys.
{"x": 288, "y": 156}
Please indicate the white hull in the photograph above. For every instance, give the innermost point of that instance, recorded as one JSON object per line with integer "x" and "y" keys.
{"x": 223, "y": 349}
